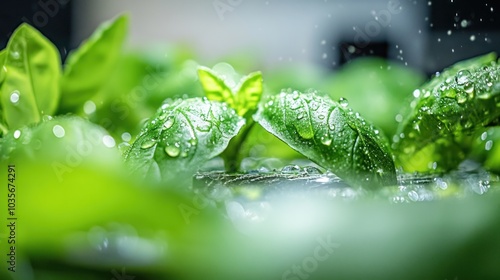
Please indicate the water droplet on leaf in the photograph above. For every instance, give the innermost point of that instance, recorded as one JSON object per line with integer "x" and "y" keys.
{"x": 343, "y": 102}
{"x": 463, "y": 77}
{"x": 58, "y": 131}
{"x": 326, "y": 140}
{"x": 169, "y": 122}
{"x": 172, "y": 151}
{"x": 461, "y": 97}
{"x": 148, "y": 144}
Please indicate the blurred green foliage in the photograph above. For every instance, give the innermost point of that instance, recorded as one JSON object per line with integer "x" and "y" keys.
{"x": 82, "y": 215}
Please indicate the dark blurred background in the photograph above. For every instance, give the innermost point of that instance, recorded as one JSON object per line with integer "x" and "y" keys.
{"x": 425, "y": 35}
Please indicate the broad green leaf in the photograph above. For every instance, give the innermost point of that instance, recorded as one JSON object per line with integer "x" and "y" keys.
{"x": 249, "y": 93}
{"x": 88, "y": 68}
{"x": 30, "y": 88}
{"x": 215, "y": 88}
{"x": 181, "y": 137}
{"x": 375, "y": 88}
{"x": 330, "y": 134}
{"x": 435, "y": 136}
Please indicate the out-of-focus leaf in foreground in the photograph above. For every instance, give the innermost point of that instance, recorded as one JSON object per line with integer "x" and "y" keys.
{"x": 445, "y": 112}
{"x": 330, "y": 134}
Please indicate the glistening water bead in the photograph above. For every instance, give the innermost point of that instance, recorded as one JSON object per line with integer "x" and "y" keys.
{"x": 58, "y": 131}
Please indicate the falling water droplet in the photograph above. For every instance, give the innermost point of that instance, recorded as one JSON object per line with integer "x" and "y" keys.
{"x": 472, "y": 38}
{"x": 172, "y": 151}
{"x": 58, "y": 131}
{"x": 14, "y": 97}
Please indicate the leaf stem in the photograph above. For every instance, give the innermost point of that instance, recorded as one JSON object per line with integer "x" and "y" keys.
{"x": 232, "y": 155}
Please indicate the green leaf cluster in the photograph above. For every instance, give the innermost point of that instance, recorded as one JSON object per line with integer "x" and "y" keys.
{"x": 32, "y": 83}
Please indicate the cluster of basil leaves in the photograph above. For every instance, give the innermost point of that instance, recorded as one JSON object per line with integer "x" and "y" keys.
{"x": 435, "y": 135}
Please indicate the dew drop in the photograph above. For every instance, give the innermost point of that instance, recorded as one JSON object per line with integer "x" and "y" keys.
{"x": 463, "y": 77}
{"x": 193, "y": 141}
{"x": 172, "y": 151}
{"x": 58, "y": 131}
{"x": 169, "y": 122}
{"x": 461, "y": 97}
{"x": 301, "y": 115}
{"x": 399, "y": 118}
{"x": 14, "y": 97}
{"x": 469, "y": 88}
{"x": 148, "y": 144}
{"x": 17, "y": 134}
{"x": 343, "y": 102}
{"x": 204, "y": 127}
{"x": 290, "y": 169}
{"x": 326, "y": 140}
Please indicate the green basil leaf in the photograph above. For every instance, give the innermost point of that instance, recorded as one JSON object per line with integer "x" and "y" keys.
{"x": 215, "y": 88}
{"x": 30, "y": 88}
{"x": 249, "y": 93}
{"x": 330, "y": 134}
{"x": 181, "y": 137}
{"x": 435, "y": 135}
{"x": 87, "y": 69}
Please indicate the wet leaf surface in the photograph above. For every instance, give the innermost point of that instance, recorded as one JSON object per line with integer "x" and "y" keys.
{"x": 330, "y": 134}
{"x": 181, "y": 137}
{"x": 445, "y": 112}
